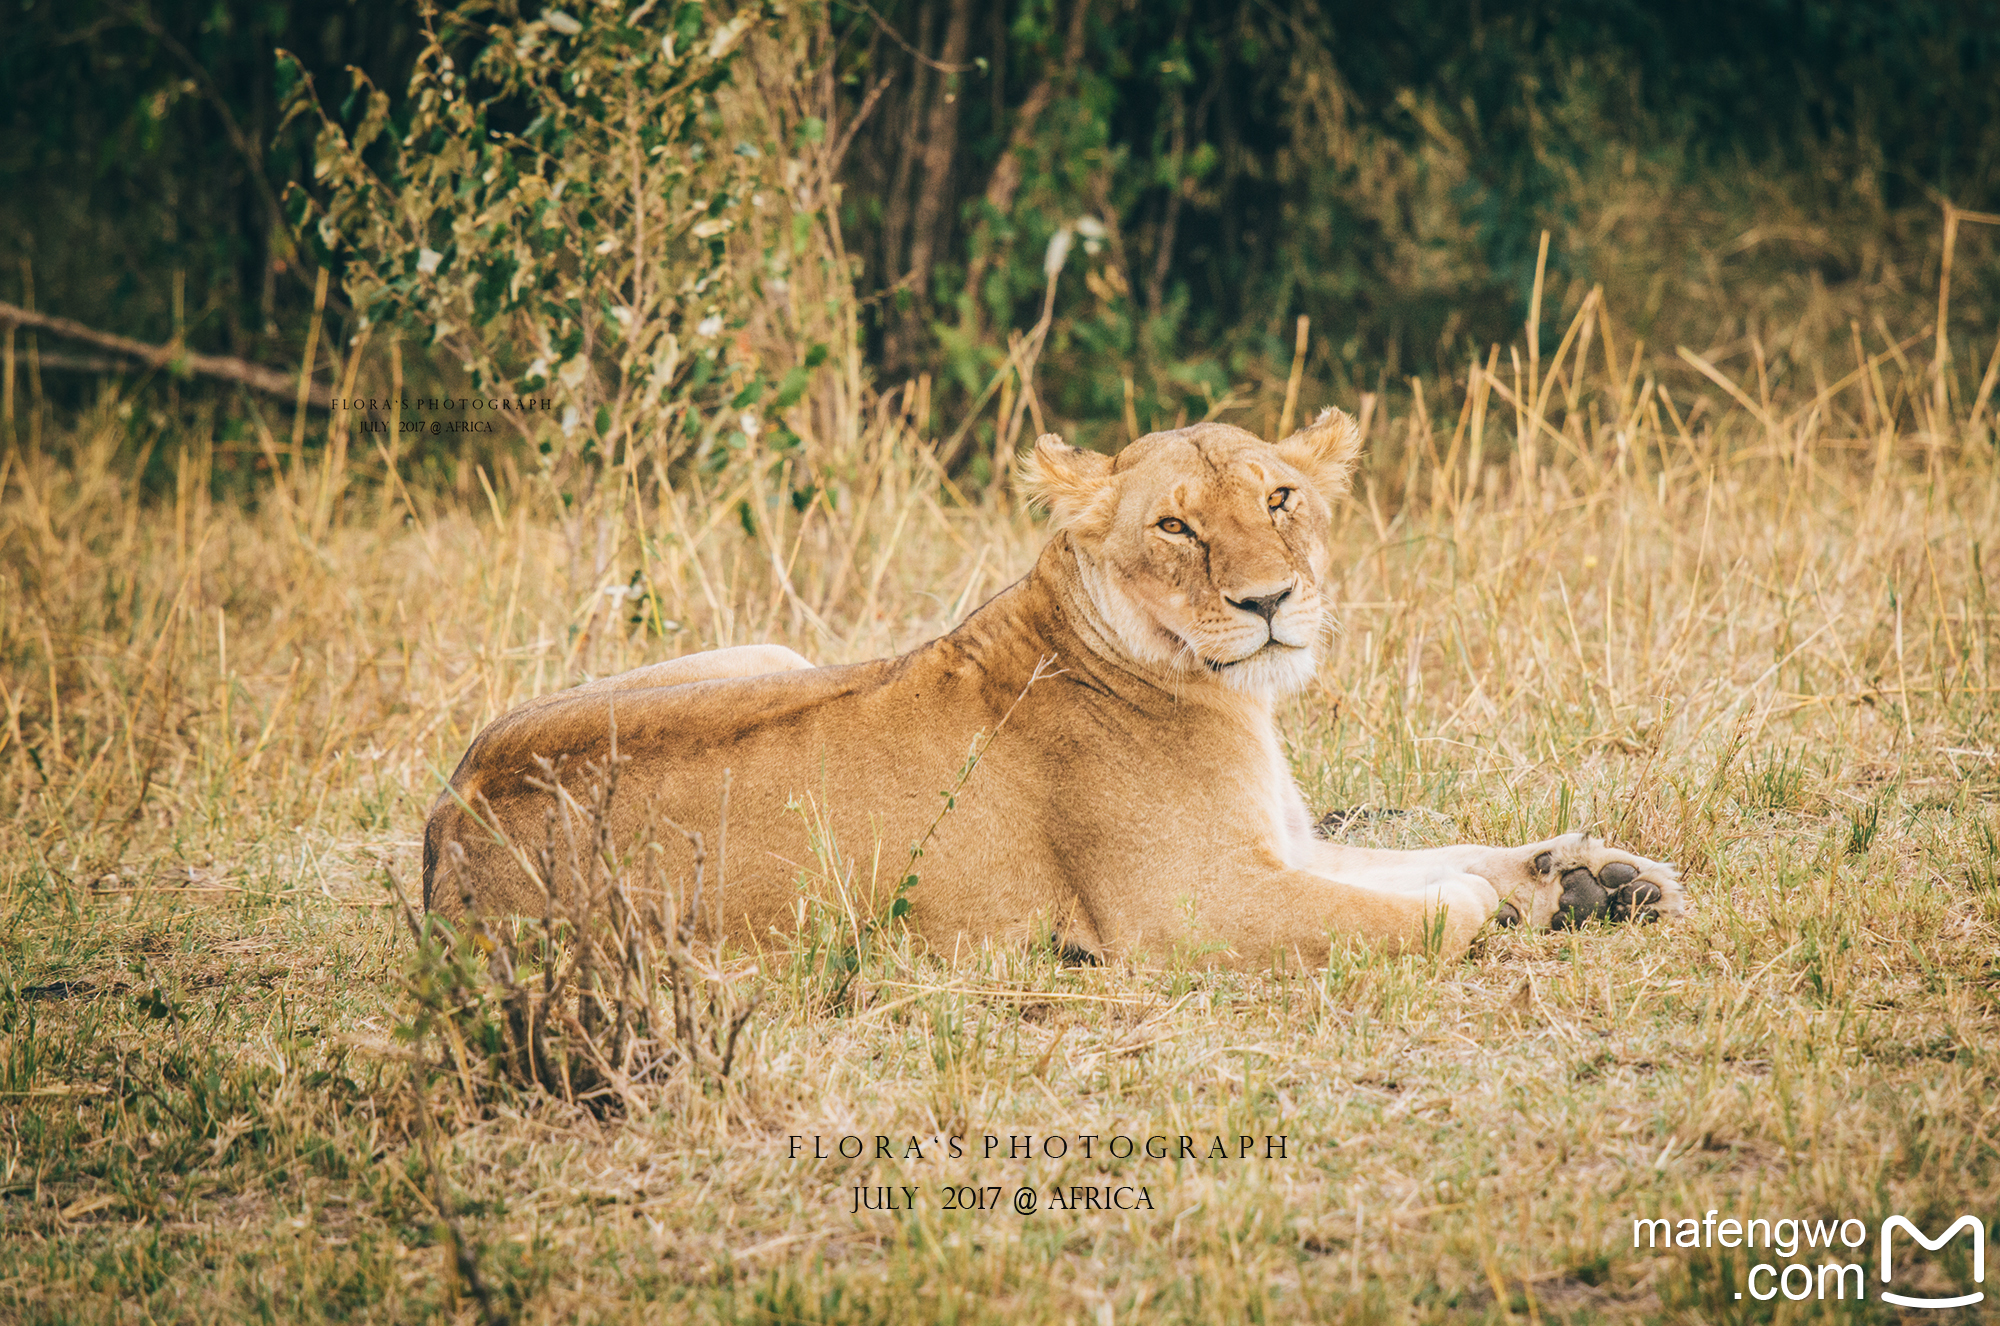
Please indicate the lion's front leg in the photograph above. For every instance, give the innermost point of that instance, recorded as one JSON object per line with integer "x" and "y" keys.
{"x": 1558, "y": 883}
{"x": 1286, "y": 913}
{"x": 1563, "y": 882}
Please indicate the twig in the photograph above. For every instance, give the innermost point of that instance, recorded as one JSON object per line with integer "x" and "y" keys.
{"x": 897, "y": 37}
{"x": 409, "y": 914}
{"x": 839, "y": 153}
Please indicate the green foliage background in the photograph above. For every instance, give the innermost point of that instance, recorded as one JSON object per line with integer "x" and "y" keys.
{"x": 1721, "y": 168}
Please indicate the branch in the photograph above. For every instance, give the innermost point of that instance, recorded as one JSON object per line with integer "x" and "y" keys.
{"x": 179, "y": 360}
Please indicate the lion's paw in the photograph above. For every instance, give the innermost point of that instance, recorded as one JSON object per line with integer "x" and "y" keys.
{"x": 1583, "y": 878}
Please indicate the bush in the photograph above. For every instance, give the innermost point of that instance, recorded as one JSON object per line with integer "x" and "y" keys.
{"x": 567, "y": 208}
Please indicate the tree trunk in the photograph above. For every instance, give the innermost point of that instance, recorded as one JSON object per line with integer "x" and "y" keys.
{"x": 930, "y": 227}
{"x": 896, "y": 202}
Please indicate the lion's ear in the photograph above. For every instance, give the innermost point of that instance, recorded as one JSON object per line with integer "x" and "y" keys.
{"x": 1324, "y": 451}
{"x": 1063, "y": 478}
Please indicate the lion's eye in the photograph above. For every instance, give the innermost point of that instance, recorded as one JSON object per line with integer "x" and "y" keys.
{"x": 1172, "y": 526}
{"x": 1280, "y": 498}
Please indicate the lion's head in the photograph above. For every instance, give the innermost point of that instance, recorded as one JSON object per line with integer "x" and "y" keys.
{"x": 1204, "y": 550}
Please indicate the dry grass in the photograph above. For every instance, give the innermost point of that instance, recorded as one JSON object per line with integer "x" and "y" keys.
{"x": 1751, "y": 635}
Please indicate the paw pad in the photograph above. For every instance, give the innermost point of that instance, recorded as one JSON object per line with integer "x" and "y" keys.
{"x": 1614, "y": 892}
{"x": 1632, "y": 898}
{"x": 1582, "y": 898}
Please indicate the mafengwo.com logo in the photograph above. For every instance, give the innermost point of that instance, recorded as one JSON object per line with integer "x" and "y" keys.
{"x": 1810, "y": 1257}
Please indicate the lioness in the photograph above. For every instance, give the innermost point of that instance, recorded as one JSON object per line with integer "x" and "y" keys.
{"x": 1129, "y": 796}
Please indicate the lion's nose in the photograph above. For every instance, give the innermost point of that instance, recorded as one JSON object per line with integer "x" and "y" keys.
{"x": 1264, "y": 605}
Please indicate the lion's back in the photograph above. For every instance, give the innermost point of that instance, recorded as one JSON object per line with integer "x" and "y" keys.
{"x": 657, "y": 729}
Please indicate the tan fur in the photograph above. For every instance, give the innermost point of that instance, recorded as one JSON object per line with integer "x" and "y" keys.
{"x": 1133, "y": 801}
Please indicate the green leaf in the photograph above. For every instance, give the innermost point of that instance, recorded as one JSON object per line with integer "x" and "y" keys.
{"x": 288, "y": 75}
{"x": 790, "y": 389}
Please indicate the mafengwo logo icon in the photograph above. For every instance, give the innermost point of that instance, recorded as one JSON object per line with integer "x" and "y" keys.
{"x": 1964, "y": 1222}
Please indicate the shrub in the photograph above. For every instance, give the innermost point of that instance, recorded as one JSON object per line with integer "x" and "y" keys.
{"x": 559, "y": 205}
